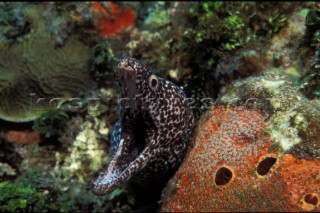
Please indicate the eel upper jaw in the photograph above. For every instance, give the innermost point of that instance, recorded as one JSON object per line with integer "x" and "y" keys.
{"x": 126, "y": 78}
{"x": 120, "y": 169}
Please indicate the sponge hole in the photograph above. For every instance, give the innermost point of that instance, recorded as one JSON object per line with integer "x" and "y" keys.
{"x": 265, "y": 165}
{"x": 311, "y": 199}
{"x": 223, "y": 176}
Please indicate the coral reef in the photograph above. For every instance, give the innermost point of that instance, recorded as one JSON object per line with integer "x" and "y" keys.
{"x": 264, "y": 139}
{"x": 259, "y": 60}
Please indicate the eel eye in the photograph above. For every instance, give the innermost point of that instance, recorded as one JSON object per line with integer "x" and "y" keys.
{"x": 153, "y": 82}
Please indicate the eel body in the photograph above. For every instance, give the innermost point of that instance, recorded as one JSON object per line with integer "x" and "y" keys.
{"x": 149, "y": 140}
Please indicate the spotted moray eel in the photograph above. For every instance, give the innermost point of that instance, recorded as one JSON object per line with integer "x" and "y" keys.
{"x": 150, "y": 139}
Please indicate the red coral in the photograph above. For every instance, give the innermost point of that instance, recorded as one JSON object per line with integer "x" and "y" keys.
{"x": 233, "y": 167}
{"x": 114, "y": 22}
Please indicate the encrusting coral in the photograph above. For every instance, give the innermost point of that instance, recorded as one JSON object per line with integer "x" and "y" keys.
{"x": 34, "y": 71}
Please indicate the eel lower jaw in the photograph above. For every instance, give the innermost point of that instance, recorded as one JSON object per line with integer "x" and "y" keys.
{"x": 119, "y": 171}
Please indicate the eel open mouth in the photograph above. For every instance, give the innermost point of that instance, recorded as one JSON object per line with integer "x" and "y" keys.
{"x": 128, "y": 160}
{"x": 132, "y": 154}
{"x": 115, "y": 174}
{"x": 131, "y": 157}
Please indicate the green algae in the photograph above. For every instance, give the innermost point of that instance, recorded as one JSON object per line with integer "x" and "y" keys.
{"x": 26, "y": 195}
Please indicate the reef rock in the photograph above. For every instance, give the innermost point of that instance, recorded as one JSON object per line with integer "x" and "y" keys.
{"x": 254, "y": 150}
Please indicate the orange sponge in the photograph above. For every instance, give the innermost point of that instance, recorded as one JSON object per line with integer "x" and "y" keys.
{"x": 114, "y": 21}
{"x": 233, "y": 166}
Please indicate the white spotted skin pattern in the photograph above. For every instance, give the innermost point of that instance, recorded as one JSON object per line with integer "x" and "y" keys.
{"x": 150, "y": 139}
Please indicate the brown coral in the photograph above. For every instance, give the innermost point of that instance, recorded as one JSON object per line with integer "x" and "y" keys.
{"x": 233, "y": 166}
{"x": 34, "y": 71}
